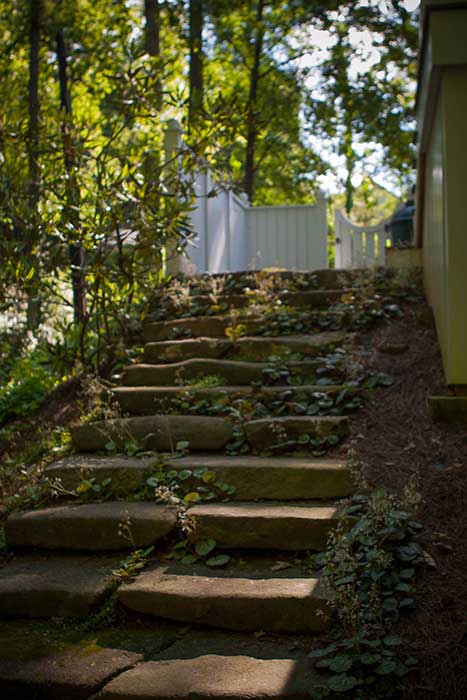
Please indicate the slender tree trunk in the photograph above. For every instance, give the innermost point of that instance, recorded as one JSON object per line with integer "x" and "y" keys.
{"x": 252, "y": 129}
{"x": 196, "y": 60}
{"x": 350, "y": 167}
{"x": 33, "y": 95}
{"x": 35, "y": 13}
{"x": 152, "y": 13}
{"x": 72, "y": 191}
{"x": 152, "y": 159}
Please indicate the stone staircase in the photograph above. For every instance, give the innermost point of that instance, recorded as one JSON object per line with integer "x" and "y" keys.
{"x": 279, "y": 505}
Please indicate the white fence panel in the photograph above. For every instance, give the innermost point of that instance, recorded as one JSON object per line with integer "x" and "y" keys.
{"x": 197, "y": 246}
{"x": 359, "y": 246}
{"x": 219, "y": 223}
{"x": 238, "y": 233}
{"x": 293, "y": 237}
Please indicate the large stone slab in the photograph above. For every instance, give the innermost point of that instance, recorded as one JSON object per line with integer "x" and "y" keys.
{"x": 277, "y": 478}
{"x": 264, "y": 526}
{"x": 252, "y": 348}
{"x": 154, "y": 433}
{"x": 198, "y": 326}
{"x": 145, "y": 399}
{"x": 127, "y": 474}
{"x": 55, "y": 586}
{"x": 215, "y": 677}
{"x": 271, "y": 604}
{"x": 234, "y": 372}
{"x": 312, "y": 299}
{"x": 265, "y": 433}
{"x": 73, "y": 674}
{"x": 328, "y": 278}
{"x": 90, "y": 526}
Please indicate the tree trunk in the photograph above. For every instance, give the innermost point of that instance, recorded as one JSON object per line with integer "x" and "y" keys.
{"x": 196, "y": 60}
{"x": 252, "y": 130}
{"x": 35, "y": 13}
{"x": 72, "y": 189}
{"x": 33, "y": 95}
{"x": 350, "y": 166}
{"x": 152, "y": 13}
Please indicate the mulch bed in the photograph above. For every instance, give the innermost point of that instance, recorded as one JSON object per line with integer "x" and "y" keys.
{"x": 397, "y": 440}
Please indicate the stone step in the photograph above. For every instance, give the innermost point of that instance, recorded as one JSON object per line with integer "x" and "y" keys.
{"x": 204, "y": 433}
{"x": 158, "y": 433}
{"x": 306, "y": 279}
{"x": 258, "y": 348}
{"x": 264, "y": 525}
{"x": 268, "y": 478}
{"x": 312, "y": 299}
{"x": 55, "y": 586}
{"x": 147, "y": 399}
{"x": 90, "y": 526}
{"x": 217, "y": 677}
{"x": 235, "y": 603}
{"x": 233, "y": 372}
{"x": 76, "y": 671}
{"x": 269, "y": 433}
{"x": 198, "y": 327}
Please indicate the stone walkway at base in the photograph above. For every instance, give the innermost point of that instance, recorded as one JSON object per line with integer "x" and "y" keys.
{"x": 191, "y": 631}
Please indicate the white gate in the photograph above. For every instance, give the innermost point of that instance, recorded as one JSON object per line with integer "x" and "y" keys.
{"x": 294, "y": 237}
{"x": 359, "y": 246}
{"x": 232, "y": 235}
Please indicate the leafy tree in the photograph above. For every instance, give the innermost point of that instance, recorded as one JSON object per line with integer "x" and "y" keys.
{"x": 91, "y": 183}
{"x": 358, "y": 111}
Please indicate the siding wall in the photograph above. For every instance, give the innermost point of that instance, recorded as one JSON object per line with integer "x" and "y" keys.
{"x": 445, "y": 222}
{"x": 442, "y": 177}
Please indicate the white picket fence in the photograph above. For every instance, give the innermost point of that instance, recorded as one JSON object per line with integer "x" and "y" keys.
{"x": 231, "y": 235}
{"x": 359, "y": 246}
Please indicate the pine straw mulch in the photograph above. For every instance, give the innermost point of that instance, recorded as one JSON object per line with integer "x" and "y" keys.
{"x": 395, "y": 437}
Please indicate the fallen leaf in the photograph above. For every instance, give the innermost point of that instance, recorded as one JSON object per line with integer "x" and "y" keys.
{"x": 280, "y": 566}
{"x": 443, "y": 547}
{"x": 429, "y": 561}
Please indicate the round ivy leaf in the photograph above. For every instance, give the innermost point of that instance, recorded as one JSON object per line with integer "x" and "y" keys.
{"x": 341, "y": 663}
{"x": 386, "y": 667}
{"x": 182, "y": 445}
{"x": 204, "y": 547}
{"x": 369, "y": 659}
{"x": 392, "y": 641}
{"x": 219, "y": 560}
{"x": 184, "y": 474}
{"x": 191, "y": 497}
{"x": 342, "y": 683}
{"x": 189, "y": 559}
